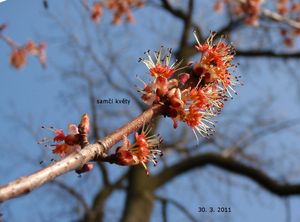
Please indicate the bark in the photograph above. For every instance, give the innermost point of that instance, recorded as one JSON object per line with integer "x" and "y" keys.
{"x": 140, "y": 199}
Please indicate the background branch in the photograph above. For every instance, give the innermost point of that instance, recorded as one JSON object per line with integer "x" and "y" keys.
{"x": 231, "y": 165}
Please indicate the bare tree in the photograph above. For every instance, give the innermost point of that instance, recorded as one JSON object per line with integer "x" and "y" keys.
{"x": 246, "y": 136}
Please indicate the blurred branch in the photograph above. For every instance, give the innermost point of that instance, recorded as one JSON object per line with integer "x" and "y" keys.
{"x": 104, "y": 173}
{"x": 85, "y": 4}
{"x": 280, "y": 18}
{"x": 186, "y": 27}
{"x": 244, "y": 140}
{"x": 165, "y": 201}
{"x": 276, "y": 16}
{"x": 45, "y": 4}
{"x": 96, "y": 211}
{"x": 108, "y": 77}
{"x": 268, "y": 53}
{"x": 176, "y": 12}
{"x": 24, "y": 185}
{"x": 231, "y": 165}
{"x": 72, "y": 192}
{"x": 164, "y": 204}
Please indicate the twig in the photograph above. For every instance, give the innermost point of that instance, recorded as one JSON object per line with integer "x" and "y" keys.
{"x": 24, "y": 185}
{"x": 165, "y": 200}
{"x": 72, "y": 192}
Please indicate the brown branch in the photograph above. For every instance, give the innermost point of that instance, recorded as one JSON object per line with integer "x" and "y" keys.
{"x": 277, "y": 17}
{"x": 267, "y": 53}
{"x": 165, "y": 201}
{"x": 96, "y": 211}
{"x": 9, "y": 41}
{"x": 280, "y": 18}
{"x": 231, "y": 165}
{"x": 85, "y": 4}
{"x": 186, "y": 28}
{"x": 72, "y": 192}
{"x": 24, "y": 185}
{"x": 188, "y": 23}
{"x": 176, "y": 12}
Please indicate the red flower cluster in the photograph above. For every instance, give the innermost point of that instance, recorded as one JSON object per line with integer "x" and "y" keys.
{"x": 119, "y": 8}
{"x": 143, "y": 150}
{"x": 96, "y": 11}
{"x": 195, "y": 96}
{"x": 18, "y": 57}
{"x": 65, "y": 144}
{"x": 290, "y": 10}
{"x": 249, "y": 8}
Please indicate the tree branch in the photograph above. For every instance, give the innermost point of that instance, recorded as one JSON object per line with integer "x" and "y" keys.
{"x": 165, "y": 201}
{"x": 267, "y": 53}
{"x": 231, "y": 165}
{"x": 24, "y": 185}
{"x": 72, "y": 192}
{"x": 176, "y": 12}
{"x": 280, "y": 18}
{"x": 96, "y": 211}
{"x": 187, "y": 22}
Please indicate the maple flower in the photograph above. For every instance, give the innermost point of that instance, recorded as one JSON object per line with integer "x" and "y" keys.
{"x": 123, "y": 8}
{"x": 207, "y": 98}
{"x": 18, "y": 58}
{"x": 214, "y": 64}
{"x": 250, "y": 9}
{"x": 199, "y": 121}
{"x": 70, "y": 141}
{"x": 161, "y": 69}
{"x": 38, "y": 50}
{"x": 144, "y": 149}
{"x": 196, "y": 95}
{"x": 159, "y": 65}
{"x": 66, "y": 144}
{"x": 41, "y": 54}
{"x": 19, "y": 55}
{"x": 96, "y": 11}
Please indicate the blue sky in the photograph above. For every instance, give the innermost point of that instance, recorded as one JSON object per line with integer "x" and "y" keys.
{"x": 31, "y": 97}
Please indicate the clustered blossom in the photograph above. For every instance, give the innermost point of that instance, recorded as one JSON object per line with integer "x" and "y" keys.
{"x": 67, "y": 143}
{"x": 251, "y": 10}
{"x": 96, "y": 11}
{"x": 119, "y": 8}
{"x": 64, "y": 144}
{"x": 194, "y": 96}
{"x": 290, "y": 10}
{"x": 19, "y": 54}
{"x": 143, "y": 150}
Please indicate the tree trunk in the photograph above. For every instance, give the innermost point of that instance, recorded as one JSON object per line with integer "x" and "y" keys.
{"x": 139, "y": 200}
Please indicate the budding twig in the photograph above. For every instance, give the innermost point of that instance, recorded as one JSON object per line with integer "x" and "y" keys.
{"x": 26, "y": 184}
